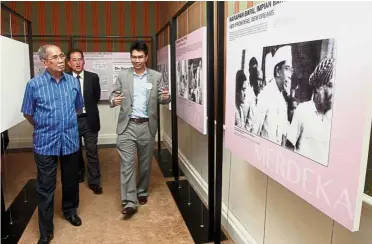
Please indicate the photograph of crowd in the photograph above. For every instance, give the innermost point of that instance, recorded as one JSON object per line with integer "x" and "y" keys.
{"x": 164, "y": 70}
{"x": 182, "y": 79}
{"x": 285, "y": 94}
{"x": 195, "y": 80}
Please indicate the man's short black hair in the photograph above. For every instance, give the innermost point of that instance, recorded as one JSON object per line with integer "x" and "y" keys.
{"x": 139, "y": 46}
{"x": 75, "y": 50}
{"x": 240, "y": 78}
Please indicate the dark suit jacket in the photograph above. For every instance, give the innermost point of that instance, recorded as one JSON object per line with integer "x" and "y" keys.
{"x": 91, "y": 95}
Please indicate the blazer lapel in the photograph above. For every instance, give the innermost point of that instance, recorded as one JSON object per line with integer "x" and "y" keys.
{"x": 149, "y": 80}
{"x": 130, "y": 82}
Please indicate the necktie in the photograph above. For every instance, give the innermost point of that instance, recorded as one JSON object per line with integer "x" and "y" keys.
{"x": 78, "y": 77}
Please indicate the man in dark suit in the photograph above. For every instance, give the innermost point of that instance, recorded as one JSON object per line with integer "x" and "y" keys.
{"x": 88, "y": 121}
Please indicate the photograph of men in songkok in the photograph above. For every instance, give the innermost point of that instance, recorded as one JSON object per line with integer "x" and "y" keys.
{"x": 182, "y": 79}
{"x": 195, "y": 80}
{"x": 163, "y": 69}
{"x": 287, "y": 97}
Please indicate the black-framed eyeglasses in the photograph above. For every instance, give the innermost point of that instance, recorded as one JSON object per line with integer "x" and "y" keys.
{"x": 137, "y": 57}
{"x": 77, "y": 59}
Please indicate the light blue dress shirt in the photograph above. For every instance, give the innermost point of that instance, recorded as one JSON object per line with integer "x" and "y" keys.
{"x": 139, "y": 95}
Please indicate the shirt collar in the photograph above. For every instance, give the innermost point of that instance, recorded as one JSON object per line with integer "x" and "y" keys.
{"x": 49, "y": 76}
{"x": 275, "y": 88}
{"x": 144, "y": 73}
{"x": 327, "y": 115}
{"x": 81, "y": 74}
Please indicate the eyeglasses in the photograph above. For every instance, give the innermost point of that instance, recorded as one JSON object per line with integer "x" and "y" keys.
{"x": 137, "y": 57}
{"x": 77, "y": 59}
{"x": 56, "y": 57}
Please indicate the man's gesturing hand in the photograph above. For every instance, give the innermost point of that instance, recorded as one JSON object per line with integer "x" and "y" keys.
{"x": 118, "y": 99}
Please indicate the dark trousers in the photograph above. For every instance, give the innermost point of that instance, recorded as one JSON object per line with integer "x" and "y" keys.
{"x": 90, "y": 141}
{"x": 46, "y": 185}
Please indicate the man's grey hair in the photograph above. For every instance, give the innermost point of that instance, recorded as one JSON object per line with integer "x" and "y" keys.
{"x": 43, "y": 51}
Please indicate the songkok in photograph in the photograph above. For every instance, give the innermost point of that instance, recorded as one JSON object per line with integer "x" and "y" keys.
{"x": 283, "y": 54}
{"x": 322, "y": 74}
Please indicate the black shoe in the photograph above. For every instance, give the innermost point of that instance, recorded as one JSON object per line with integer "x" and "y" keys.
{"x": 81, "y": 177}
{"x": 97, "y": 189}
{"x": 124, "y": 203}
{"x": 73, "y": 219}
{"x": 129, "y": 211}
{"x": 45, "y": 239}
{"x": 142, "y": 200}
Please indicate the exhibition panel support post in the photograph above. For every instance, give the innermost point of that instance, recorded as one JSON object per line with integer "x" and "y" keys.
{"x": 173, "y": 38}
{"x": 155, "y": 42}
{"x": 220, "y": 109}
{"x": 210, "y": 114}
{"x": 155, "y": 47}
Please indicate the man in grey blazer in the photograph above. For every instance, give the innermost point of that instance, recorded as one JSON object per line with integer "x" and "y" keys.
{"x": 137, "y": 91}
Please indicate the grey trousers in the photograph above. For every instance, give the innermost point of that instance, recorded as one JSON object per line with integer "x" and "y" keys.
{"x": 136, "y": 137}
{"x": 90, "y": 141}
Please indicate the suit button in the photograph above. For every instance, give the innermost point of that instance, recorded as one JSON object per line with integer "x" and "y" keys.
{"x": 131, "y": 105}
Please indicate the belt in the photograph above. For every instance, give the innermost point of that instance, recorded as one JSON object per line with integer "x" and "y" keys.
{"x": 139, "y": 120}
{"x": 82, "y": 115}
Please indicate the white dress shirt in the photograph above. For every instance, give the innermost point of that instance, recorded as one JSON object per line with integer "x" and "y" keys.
{"x": 81, "y": 85}
{"x": 311, "y": 130}
{"x": 271, "y": 119}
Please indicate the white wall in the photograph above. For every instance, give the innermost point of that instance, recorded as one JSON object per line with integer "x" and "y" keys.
{"x": 20, "y": 136}
{"x": 256, "y": 209}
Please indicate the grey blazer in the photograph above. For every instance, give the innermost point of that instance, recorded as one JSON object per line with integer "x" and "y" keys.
{"x": 124, "y": 84}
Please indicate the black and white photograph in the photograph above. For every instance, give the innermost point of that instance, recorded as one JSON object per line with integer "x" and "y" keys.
{"x": 284, "y": 94}
{"x": 163, "y": 69}
{"x": 182, "y": 79}
{"x": 248, "y": 84}
{"x": 195, "y": 80}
